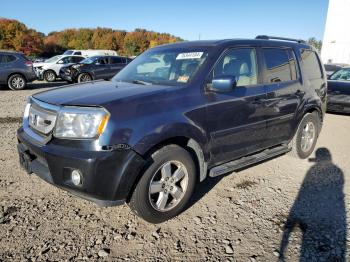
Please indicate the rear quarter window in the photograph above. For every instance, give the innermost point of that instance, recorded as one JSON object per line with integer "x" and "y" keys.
{"x": 311, "y": 64}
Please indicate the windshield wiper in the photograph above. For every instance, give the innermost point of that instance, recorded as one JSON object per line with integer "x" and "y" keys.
{"x": 141, "y": 82}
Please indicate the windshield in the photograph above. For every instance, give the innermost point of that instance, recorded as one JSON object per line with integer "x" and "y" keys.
{"x": 165, "y": 66}
{"x": 89, "y": 61}
{"x": 342, "y": 74}
{"x": 53, "y": 59}
{"x": 68, "y": 52}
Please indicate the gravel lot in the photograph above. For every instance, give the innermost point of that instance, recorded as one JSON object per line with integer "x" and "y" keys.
{"x": 284, "y": 206}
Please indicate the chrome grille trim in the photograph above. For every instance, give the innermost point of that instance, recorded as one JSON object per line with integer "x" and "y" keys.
{"x": 42, "y": 132}
{"x": 41, "y": 119}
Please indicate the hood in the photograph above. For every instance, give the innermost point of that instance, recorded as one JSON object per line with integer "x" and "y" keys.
{"x": 96, "y": 93}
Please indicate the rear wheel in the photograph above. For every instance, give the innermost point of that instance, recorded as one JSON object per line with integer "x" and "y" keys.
{"x": 16, "y": 82}
{"x": 49, "y": 76}
{"x": 166, "y": 186}
{"x": 84, "y": 77}
{"x": 305, "y": 139}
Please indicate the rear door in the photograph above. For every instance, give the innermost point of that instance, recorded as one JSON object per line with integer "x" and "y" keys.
{"x": 236, "y": 118}
{"x": 284, "y": 93}
{"x": 116, "y": 64}
{"x": 7, "y": 66}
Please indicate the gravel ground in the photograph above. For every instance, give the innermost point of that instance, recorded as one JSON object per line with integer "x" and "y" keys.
{"x": 285, "y": 207}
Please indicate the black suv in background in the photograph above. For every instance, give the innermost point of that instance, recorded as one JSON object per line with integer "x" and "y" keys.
{"x": 177, "y": 114}
{"x": 93, "y": 68}
{"x": 16, "y": 70}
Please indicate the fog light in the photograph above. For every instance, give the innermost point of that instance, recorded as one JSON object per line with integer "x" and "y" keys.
{"x": 76, "y": 177}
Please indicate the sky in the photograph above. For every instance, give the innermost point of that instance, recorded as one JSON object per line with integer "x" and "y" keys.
{"x": 190, "y": 20}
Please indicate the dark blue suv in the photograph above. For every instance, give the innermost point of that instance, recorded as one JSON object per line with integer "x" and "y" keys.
{"x": 175, "y": 115}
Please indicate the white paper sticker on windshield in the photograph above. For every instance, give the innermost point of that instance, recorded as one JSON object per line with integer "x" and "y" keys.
{"x": 192, "y": 55}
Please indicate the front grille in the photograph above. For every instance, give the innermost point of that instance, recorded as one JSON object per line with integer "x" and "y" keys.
{"x": 41, "y": 119}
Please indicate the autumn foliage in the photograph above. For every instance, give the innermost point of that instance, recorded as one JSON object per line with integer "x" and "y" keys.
{"x": 14, "y": 35}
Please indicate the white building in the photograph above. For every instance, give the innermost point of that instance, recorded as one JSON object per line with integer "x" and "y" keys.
{"x": 336, "y": 40}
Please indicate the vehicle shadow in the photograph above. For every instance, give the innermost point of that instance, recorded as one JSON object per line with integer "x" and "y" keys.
{"x": 319, "y": 212}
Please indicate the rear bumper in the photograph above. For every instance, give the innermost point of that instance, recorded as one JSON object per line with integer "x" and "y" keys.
{"x": 31, "y": 76}
{"x": 108, "y": 176}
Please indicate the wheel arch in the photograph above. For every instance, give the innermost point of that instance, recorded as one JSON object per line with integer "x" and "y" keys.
{"x": 86, "y": 72}
{"x": 49, "y": 69}
{"x": 189, "y": 144}
{"x": 16, "y": 73}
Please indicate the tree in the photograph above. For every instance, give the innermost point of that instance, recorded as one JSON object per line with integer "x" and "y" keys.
{"x": 16, "y": 36}
{"x": 315, "y": 43}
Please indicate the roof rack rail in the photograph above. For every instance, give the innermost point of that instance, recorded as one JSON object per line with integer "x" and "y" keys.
{"x": 268, "y": 37}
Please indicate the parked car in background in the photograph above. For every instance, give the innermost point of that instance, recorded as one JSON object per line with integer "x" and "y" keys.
{"x": 90, "y": 52}
{"x": 93, "y": 68}
{"x": 331, "y": 68}
{"x": 202, "y": 109}
{"x": 16, "y": 70}
{"x": 49, "y": 69}
{"x": 339, "y": 91}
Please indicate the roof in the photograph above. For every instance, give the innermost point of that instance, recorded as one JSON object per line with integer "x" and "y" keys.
{"x": 10, "y": 52}
{"x": 237, "y": 41}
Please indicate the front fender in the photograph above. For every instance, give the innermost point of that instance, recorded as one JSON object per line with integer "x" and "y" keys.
{"x": 162, "y": 133}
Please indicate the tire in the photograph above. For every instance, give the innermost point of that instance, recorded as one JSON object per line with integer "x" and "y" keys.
{"x": 16, "y": 82}
{"x": 164, "y": 162}
{"x": 50, "y": 76}
{"x": 300, "y": 147}
{"x": 84, "y": 77}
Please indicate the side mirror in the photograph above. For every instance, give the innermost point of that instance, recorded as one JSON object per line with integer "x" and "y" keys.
{"x": 97, "y": 63}
{"x": 60, "y": 62}
{"x": 223, "y": 84}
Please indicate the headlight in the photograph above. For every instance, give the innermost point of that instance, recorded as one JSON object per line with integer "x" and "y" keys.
{"x": 76, "y": 122}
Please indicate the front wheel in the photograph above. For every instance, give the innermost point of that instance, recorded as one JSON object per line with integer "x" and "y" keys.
{"x": 16, "y": 82}
{"x": 49, "y": 76}
{"x": 84, "y": 77}
{"x": 166, "y": 186}
{"x": 304, "y": 140}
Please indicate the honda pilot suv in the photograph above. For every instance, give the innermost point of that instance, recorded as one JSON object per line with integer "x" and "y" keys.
{"x": 177, "y": 114}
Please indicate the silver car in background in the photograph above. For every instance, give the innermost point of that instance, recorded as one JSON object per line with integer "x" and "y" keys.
{"x": 49, "y": 69}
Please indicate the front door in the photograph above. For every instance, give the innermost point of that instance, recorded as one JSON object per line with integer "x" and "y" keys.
{"x": 236, "y": 118}
{"x": 102, "y": 68}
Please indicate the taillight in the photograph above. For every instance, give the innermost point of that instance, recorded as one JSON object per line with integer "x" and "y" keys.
{"x": 28, "y": 63}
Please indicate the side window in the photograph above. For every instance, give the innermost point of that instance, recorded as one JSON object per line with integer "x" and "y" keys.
{"x": 238, "y": 63}
{"x": 277, "y": 64}
{"x": 77, "y": 53}
{"x": 10, "y": 58}
{"x": 117, "y": 60}
{"x": 2, "y": 58}
{"x": 103, "y": 61}
{"x": 311, "y": 64}
{"x": 63, "y": 60}
{"x": 77, "y": 59}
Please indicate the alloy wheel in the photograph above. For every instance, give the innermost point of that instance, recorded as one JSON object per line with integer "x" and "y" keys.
{"x": 308, "y": 136}
{"x": 17, "y": 82}
{"x": 168, "y": 186}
